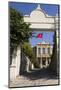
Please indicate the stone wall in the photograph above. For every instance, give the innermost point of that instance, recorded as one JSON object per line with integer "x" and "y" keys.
{"x": 26, "y": 64}
{"x": 15, "y": 66}
{"x": 20, "y": 64}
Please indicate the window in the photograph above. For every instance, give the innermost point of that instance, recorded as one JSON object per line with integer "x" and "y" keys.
{"x": 39, "y": 50}
{"x": 39, "y": 60}
{"x": 43, "y": 50}
{"x": 49, "y": 50}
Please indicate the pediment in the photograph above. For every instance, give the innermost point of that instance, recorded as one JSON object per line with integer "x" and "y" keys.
{"x": 37, "y": 13}
{"x": 38, "y": 16}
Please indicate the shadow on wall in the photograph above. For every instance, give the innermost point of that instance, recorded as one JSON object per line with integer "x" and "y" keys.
{"x": 54, "y": 59}
{"x": 23, "y": 64}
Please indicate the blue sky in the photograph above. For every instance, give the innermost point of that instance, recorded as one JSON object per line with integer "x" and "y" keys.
{"x": 26, "y": 8}
{"x": 47, "y": 37}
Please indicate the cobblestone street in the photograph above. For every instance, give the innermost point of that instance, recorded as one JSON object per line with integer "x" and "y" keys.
{"x": 35, "y": 78}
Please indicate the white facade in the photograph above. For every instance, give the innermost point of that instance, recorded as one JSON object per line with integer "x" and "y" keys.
{"x": 43, "y": 53}
{"x": 40, "y": 20}
{"x": 46, "y": 50}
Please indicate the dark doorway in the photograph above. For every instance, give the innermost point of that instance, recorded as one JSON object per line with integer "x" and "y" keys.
{"x": 43, "y": 61}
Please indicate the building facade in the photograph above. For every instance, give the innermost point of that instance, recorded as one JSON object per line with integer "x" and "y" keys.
{"x": 43, "y": 52}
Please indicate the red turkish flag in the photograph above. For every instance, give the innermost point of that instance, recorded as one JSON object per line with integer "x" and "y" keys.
{"x": 40, "y": 35}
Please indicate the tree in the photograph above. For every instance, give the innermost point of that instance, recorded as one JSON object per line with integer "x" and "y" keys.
{"x": 28, "y": 51}
{"x": 19, "y": 30}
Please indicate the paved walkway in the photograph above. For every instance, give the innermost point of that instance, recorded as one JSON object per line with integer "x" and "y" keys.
{"x": 35, "y": 78}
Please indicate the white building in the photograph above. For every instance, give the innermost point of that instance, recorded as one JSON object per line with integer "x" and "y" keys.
{"x": 39, "y": 20}
{"x": 43, "y": 52}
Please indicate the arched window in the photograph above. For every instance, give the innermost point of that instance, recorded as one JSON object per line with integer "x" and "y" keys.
{"x": 49, "y": 50}
{"x": 39, "y": 50}
{"x": 43, "y": 50}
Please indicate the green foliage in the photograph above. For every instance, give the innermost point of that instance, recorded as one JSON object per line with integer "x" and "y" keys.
{"x": 27, "y": 49}
{"x": 19, "y": 30}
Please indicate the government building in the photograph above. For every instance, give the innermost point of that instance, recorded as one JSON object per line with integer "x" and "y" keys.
{"x": 43, "y": 52}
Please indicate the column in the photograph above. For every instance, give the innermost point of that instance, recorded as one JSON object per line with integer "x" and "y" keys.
{"x": 46, "y": 62}
{"x": 28, "y": 63}
{"x": 41, "y": 59}
{"x": 32, "y": 66}
{"x": 49, "y": 60}
{"x": 13, "y": 59}
{"x": 18, "y": 60}
{"x": 15, "y": 67}
{"x": 41, "y": 63}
